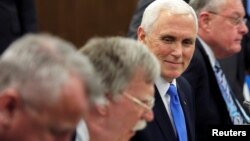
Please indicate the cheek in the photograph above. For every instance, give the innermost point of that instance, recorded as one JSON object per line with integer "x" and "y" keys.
{"x": 156, "y": 47}
{"x": 132, "y": 116}
{"x": 226, "y": 35}
{"x": 126, "y": 116}
{"x": 187, "y": 55}
{"x": 28, "y": 132}
{"x": 228, "y": 43}
{"x": 161, "y": 51}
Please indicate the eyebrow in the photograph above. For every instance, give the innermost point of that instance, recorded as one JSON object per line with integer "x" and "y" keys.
{"x": 191, "y": 39}
{"x": 167, "y": 36}
{"x": 174, "y": 38}
{"x": 238, "y": 14}
{"x": 60, "y": 130}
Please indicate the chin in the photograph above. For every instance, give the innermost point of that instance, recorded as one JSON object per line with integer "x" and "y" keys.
{"x": 176, "y": 73}
{"x": 171, "y": 75}
{"x": 236, "y": 48}
{"x": 127, "y": 138}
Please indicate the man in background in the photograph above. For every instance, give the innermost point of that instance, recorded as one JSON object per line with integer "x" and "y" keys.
{"x": 237, "y": 66}
{"x": 221, "y": 29}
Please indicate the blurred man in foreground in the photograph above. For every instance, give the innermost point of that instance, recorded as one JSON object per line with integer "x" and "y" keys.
{"x": 43, "y": 86}
{"x": 127, "y": 70}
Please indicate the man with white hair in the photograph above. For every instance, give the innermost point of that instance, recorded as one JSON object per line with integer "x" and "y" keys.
{"x": 169, "y": 29}
{"x": 137, "y": 17}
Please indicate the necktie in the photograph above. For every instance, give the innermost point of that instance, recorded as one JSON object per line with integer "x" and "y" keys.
{"x": 177, "y": 113}
{"x": 246, "y": 90}
{"x": 227, "y": 95}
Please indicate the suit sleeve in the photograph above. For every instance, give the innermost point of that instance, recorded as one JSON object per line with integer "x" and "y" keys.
{"x": 27, "y": 15}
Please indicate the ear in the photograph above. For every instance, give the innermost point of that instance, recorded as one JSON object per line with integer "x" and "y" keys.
{"x": 141, "y": 35}
{"x": 103, "y": 109}
{"x": 204, "y": 21}
{"x": 9, "y": 101}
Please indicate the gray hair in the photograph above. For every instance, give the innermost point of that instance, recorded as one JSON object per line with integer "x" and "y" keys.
{"x": 116, "y": 60}
{"x": 153, "y": 11}
{"x": 206, "y": 5}
{"x": 45, "y": 63}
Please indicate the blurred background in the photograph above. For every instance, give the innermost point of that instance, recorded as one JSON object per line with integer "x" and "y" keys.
{"x": 79, "y": 20}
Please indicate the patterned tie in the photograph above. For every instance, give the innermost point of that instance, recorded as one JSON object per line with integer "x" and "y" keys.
{"x": 177, "y": 113}
{"x": 227, "y": 95}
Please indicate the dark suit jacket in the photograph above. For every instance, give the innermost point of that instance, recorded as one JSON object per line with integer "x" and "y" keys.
{"x": 17, "y": 17}
{"x": 160, "y": 129}
{"x": 237, "y": 66}
{"x": 209, "y": 104}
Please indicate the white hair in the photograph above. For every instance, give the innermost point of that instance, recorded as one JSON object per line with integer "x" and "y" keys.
{"x": 45, "y": 64}
{"x": 153, "y": 11}
{"x": 206, "y": 5}
{"x": 116, "y": 60}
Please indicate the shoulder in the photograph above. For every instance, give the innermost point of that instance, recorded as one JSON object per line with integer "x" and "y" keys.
{"x": 183, "y": 84}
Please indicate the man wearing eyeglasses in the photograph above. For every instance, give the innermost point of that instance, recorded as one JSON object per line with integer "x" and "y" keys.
{"x": 127, "y": 70}
{"x": 221, "y": 29}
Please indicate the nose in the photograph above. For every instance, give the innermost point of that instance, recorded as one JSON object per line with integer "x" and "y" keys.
{"x": 48, "y": 138}
{"x": 55, "y": 138}
{"x": 243, "y": 28}
{"x": 177, "y": 49}
{"x": 148, "y": 116}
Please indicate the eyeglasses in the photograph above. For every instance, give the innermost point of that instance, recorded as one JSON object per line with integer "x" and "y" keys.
{"x": 233, "y": 20}
{"x": 147, "y": 104}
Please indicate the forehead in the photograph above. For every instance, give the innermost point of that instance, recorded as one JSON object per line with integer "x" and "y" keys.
{"x": 233, "y": 7}
{"x": 72, "y": 100}
{"x": 73, "y": 95}
{"x": 139, "y": 87}
{"x": 178, "y": 25}
{"x": 67, "y": 109}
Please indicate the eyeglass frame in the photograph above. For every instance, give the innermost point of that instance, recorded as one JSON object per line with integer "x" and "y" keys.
{"x": 148, "y": 106}
{"x": 235, "y": 21}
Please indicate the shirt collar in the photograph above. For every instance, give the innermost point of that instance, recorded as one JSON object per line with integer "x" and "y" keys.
{"x": 163, "y": 86}
{"x": 209, "y": 52}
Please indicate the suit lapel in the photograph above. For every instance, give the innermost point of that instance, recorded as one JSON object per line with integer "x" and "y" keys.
{"x": 186, "y": 109}
{"x": 162, "y": 118}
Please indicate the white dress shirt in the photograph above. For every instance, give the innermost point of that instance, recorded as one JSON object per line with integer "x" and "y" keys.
{"x": 163, "y": 86}
{"x": 209, "y": 52}
{"x": 82, "y": 133}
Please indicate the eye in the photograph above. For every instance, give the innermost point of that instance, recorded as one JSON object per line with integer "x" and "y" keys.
{"x": 168, "y": 39}
{"x": 59, "y": 132}
{"x": 188, "y": 42}
{"x": 237, "y": 20}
